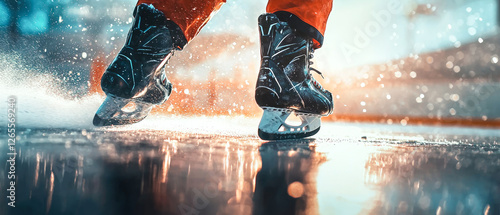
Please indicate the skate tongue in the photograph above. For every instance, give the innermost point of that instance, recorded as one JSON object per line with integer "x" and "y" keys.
{"x": 147, "y": 15}
{"x": 266, "y": 21}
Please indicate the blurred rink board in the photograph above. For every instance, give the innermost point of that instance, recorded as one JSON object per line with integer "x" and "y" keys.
{"x": 453, "y": 86}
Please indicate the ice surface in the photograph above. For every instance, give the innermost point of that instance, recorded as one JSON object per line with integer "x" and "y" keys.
{"x": 168, "y": 161}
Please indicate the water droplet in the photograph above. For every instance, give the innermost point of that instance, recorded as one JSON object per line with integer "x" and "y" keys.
{"x": 424, "y": 202}
{"x": 453, "y": 112}
{"x": 494, "y": 59}
{"x": 449, "y": 64}
{"x": 429, "y": 60}
{"x": 424, "y": 89}
{"x": 296, "y": 189}
{"x": 452, "y": 38}
{"x": 430, "y": 106}
{"x": 472, "y": 31}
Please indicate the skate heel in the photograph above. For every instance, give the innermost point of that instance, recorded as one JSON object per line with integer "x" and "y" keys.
{"x": 266, "y": 97}
{"x": 273, "y": 125}
{"x": 157, "y": 92}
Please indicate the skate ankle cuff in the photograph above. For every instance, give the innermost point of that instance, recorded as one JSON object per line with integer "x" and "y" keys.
{"x": 177, "y": 35}
{"x": 158, "y": 18}
{"x": 301, "y": 27}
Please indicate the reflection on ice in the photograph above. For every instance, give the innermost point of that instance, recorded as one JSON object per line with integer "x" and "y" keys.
{"x": 286, "y": 184}
{"x": 123, "y": 173}
{"x": 169, "y": 172}
{"x": 342, "y": 187}
{"x": 436, "y": 180}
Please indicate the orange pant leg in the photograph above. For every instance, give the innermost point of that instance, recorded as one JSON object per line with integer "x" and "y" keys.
{"x": 307, "y": 16}
{"x": 189, "y": 15}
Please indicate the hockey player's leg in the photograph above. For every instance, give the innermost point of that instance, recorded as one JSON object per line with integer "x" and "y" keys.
{"x": 189, "y": 15}
{"x": 285, "y": 85}
{"x": 136, "y": 81}
{"x": 308, "y": 17}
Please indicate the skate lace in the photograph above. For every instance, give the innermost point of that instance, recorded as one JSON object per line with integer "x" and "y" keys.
{"x": 314, "y": 82}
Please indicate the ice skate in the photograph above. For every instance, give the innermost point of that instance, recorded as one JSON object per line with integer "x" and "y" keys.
{"x": 136, "y": 81}
{"x": 285, "y": 85}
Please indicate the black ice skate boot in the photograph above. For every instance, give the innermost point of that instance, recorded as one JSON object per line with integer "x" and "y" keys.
{"x": 136, "y": 80}
{"x": 285, "y": 84}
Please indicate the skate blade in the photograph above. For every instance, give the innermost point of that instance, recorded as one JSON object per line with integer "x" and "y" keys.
{"x": 273, "y": 125}
{"x": 119, "y": 111}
